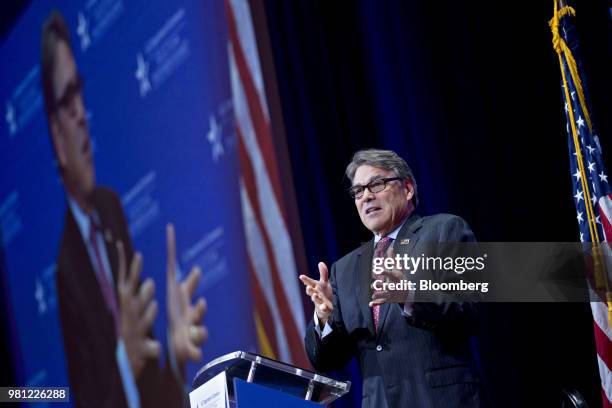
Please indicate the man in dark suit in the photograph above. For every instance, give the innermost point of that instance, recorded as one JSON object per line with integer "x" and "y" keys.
{"x": 411, "y": 354}
{"x": 106, "y": 312}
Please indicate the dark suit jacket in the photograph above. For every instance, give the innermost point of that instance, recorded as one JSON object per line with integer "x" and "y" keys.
{"x": 88, "y": 328}
{"x": 420, "y": 361}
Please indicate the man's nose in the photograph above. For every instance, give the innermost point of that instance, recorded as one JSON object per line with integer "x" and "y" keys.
{"x": 368, "y": 195}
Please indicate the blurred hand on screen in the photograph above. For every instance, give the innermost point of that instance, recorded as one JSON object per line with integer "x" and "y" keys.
{"x": 187, "y": 333}
{"x": 320, "y": 293}
{"x": 137, "y": 311}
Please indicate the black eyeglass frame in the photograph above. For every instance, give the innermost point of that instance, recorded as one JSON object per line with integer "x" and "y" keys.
{"x": 374, "y": 186}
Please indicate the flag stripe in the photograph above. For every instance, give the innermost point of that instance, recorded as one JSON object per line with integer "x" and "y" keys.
{"x": 606, "y": 382}
{"x": 269, "y": 244}
{"x": 264, "y": 323}
{"x": 291, "y": 331}
{"x": 255, "y": 249}
{"x": 605, "y": 208}
{"x": 273, "y": 220}
{"x": 600, "y": 316}
{"x": 603, "y": 344}
{"x": 265, "y": 346}
{"x": 258, "y": 119}
{"x": 246, "y": 35}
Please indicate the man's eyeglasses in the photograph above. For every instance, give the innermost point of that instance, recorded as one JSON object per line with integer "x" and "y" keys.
{"x": 74, "y": 89}
{"x": 375, "y": 186}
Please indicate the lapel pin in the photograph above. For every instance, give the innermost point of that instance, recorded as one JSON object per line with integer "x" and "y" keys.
{"x": 404, "y": 241}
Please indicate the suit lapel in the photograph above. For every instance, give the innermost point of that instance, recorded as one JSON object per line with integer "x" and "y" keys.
{"x": 364, "y": 291}
{"x": 84, "y": 275}
{"x": 111, "y": 251}
{"x": 404, "y": 243}
{"x": 79, "y": 248}
{"x": 106, "y": 221}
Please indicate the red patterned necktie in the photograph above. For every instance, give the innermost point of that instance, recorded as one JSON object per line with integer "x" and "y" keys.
{"x": 379, "y": 252}
{"x": 103, "y": 278}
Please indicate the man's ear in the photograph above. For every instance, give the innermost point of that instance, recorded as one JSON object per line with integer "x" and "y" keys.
{"x": 58, "y": 141}
{"x": 410, "y": 189}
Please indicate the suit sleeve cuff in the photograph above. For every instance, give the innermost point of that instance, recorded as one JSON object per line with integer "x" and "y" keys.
{"x": 326, "y": 329}
{"x": 176, "y": 370}
{"x": 127, "y": 378}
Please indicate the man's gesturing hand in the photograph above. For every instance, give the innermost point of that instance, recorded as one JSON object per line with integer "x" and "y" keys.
{"x": 320, "y": 293}
{"x": 187, "y": 333}
{"x": 389, "y": 296}
{"x": 137, "y": 311}
{"x": 392, "y": 275}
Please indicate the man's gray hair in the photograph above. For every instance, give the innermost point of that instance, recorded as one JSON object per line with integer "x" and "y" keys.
{"x": 383, "y": 159}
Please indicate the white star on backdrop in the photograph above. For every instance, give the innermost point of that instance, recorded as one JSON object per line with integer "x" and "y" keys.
{"x": 214, "y": 137}
{"x": 39, "y": 295}
{"x": 10, "y": 118}
{"x": 579, "y": 217}
{"x": 83, "y": 32}
{"x": 577, "y": 175}
{"x": 142, "y": 75}
{"x": 580, "y": 121}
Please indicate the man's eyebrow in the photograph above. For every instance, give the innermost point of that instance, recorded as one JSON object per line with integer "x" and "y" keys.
{"x": 371, "y": 179}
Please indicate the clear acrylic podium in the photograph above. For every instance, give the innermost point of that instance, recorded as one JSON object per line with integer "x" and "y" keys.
{"x": 273, "y": 374}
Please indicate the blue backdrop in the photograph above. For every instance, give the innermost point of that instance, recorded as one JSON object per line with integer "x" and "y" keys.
{"x": 159, "y": 106}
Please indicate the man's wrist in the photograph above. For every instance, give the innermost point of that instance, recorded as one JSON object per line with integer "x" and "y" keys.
{"x": 322, "y": 321}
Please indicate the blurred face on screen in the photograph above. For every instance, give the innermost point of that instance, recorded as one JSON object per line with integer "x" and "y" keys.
{"x": 69, "y": 126}
{"x": 382, "y": 212}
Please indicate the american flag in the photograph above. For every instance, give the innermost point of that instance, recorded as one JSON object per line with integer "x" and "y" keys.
{"x": 278, "y": 312}
{"x": 592, "y": 193}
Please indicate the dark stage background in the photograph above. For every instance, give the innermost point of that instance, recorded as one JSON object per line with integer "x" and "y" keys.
{"x": 469, "y": 94}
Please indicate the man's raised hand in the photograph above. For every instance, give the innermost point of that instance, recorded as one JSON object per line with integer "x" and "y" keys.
{"x": 137, "y": 312}
{"x": 187, "y": 333}
{"x": 321, "y": 294}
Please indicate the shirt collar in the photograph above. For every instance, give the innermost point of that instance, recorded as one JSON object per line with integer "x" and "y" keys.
{"x": 82, "y": 219}
{"x": 392, "y": 235}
